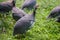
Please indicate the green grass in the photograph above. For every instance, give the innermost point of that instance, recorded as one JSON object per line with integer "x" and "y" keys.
{"x": 43, "y": 29}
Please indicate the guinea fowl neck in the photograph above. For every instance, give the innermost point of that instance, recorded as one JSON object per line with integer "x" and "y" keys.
{"x": 34, "y": 12}
{"x": 13, "y": 2}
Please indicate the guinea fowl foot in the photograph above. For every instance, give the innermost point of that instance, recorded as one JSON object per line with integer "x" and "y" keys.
{"x": 19, "y": 36}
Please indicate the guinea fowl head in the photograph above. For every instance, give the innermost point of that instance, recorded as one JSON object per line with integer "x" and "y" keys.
{"x": 35, "y": 8}
{"x": 13, "y": 2}
{"x": 58, "y": 19}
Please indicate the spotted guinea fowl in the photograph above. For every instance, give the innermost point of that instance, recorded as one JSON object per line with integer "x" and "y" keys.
{"x": 29, "y": 4}
{"x": 23, "y": 24}
{"x": 7, "y": 6}
{"x": 17, "y": 13}
{"x": 55, "y": 12}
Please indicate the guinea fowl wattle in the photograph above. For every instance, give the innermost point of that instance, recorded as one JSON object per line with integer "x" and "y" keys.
{"x": 25, "y": 23}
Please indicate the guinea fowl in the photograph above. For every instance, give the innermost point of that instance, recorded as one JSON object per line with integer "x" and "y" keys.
{"x": 7, "y": 6}
{"x": 25, "y": 23}
{"x": 55, "y": 12}
{"x": 29, "y": 4}
{"x": 17, "y": 13}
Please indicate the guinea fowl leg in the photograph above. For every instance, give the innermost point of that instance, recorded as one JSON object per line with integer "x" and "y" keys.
{"x": 20, "y": 36}
{"x": 3, "y": 25}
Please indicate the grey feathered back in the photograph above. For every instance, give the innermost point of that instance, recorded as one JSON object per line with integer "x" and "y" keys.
{"x": 17, "y": 13}
{"x": 29, "y": 4}
{"x": 7, "y": 6}
{"x": 54, "y": 12}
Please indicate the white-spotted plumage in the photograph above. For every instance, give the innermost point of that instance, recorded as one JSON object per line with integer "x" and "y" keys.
{"x": 25, "y": 23}
{"x": 17, "y": 13}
